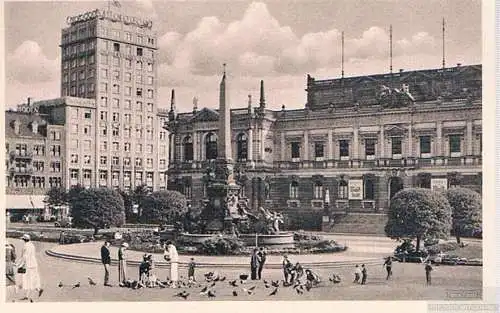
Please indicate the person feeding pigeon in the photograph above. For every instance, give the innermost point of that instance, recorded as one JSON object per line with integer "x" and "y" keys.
{"x": 171, "y": 256}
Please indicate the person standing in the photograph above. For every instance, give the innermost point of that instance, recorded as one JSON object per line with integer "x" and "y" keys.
{"x": 122, "y": 264}
{"x": 428, "y": 270}
{"x": 287, "y": 267}
{"x": 364, "y": 274}
{"x": 106, "y": 261}
{"x": 10, "y": 266}
{"x": 191, "y": 267}
{"x": 28, "y": 269}
{"x": 357, "y": 274}
{"x": 171, "y": 255}
{"x": 388, "y": 267}
{"x": 262, "y": 261}
{"x": 254, "y": 264}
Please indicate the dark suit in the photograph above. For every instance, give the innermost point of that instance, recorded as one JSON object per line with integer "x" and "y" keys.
{"x": 262, "y": 257}
{"x": 254, "y": 265}
{"x": 106, "y": 261}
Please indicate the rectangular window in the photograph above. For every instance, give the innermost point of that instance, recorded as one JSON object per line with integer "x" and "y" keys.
{"x": 138, "y": 92}
{"x": 74, "y": 158}
{"x": 128, "y": 77}
{"x": 116, "y": 47}
{"x": 150, "y": 80}
{"x": 139, "y": 52}
{"x": 128, "y": 91}
{"x": 86, "y": 130}
{"x": 150, "y": 67}
{"x": 295, "y": 147}
{"x": 115, "y": 161}
{"x": 104, "y": 116}
{"x": 74, "y": 174}
{"x": 139, "y": 147}
{"x": 396, "y": 146}
{"x": 126, "y": 147}
{"x": 104, "y": 59}
{"x": 104, "y": 131}
{"x": 116, "y": 88}
{"x": 138, "y": 162}
{"x": 149, "y": 162}
{"x": 104, "y": 102}
{"x": 116, "y": 61}
{"x": 150, "y": 107}
{"x": 138, "y": 65}
{"x": 103, "y": 160}
{"x": 74, "y": 129}
{"x": 116, "y": 103}
{"x": 150, "y": 93}
{"x": 344, "y": 148}
{"x": 319, "y": 150}
{"x": 87, "y": 174}
{"x": 116, "y": 75}
{"x": 138, "y": 106}
{"x": 128, "y": 63}
{"x": 116, "y": 117}
{"x": 86, "y": 145}
{"x": 425, "y": 145}
{"x": 126, "y": 132}
{"x": 104, "y": 146}
{"x": 126, "y": 161}
{"x": 116, "y": 132}
{"x": 455, "y": 144}
{"x": 116, "y": 146}
{"x": 104, "y": 87}
{"x": 86, "y": 159}
{"x": 128, "y": 105}
{"x": 138, "y": 78}
{"x": 149, "y": 149}
{"x": 370, "y": 148}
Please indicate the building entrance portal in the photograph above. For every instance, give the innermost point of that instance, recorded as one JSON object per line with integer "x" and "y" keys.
{"x": 395, "y": 185}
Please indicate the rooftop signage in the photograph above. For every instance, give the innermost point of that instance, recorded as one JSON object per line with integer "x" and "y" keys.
{"x": 111, "y": 16}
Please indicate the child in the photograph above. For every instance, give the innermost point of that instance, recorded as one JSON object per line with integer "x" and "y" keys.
{"x": 191, "y": 268}
{"x": 357, "y": 274}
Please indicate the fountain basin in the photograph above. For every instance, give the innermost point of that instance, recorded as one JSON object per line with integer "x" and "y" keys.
{"x": 282, "y": 240}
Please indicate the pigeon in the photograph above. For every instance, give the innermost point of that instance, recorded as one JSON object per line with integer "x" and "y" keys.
{"x": 274, "y": 292}
{"x": 299, "y": 291}
{"x": 250, "y": 292}
{"x": 183, "y": 294}
{"x": 213, "y": 284}
{"x": 91, "y": 282}
{"x": 233, "y": 283}
{"x": 275, "y": 283}
{"x": 60, "y": 284}
{"x": 204, "y": 290}
{"x": 223, "y": 278}
{"x": 308, "y": 287}
{"x": 235, "y": 293}
{"x": 216, "y": 279}
{"x": 252, "y": 288}
{"x": 77, "y": 285}
{"x": 211, "y": 294}
{"x": 244, "y": 276}
{"x": 267, "y": 285}
{"x": 31, "y": 300}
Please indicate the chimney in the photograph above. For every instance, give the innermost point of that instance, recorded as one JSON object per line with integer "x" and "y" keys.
{"x": 29, "y": 100}
{"x": 459, "y": 64}
{"x": 401, "y": 70}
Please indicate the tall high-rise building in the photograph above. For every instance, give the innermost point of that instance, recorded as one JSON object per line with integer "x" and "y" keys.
{"x": 112, "y": 58}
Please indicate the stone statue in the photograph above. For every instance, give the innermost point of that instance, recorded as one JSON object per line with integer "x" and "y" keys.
{"x": 272, "y": 219}
{"x": 267, "y": 189}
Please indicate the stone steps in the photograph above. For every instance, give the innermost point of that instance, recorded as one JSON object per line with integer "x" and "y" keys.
{"x": 359, "y": 223}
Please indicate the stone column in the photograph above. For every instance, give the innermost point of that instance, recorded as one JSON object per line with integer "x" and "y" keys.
{"x": 250, "y": 144}
{"x": 439, "y": 139}
{"x": 171, "y": 148}
{"x": 262, "y": 144}
{"x": 330, "y": 144}
{"x": 382, "y": 142}
{"x": 410, "y": 141}
{"x": 355, "y": 144}
{"x": 306, "y": 145}
{"x": 470, "y": 139}
{"x": 283, "y": 146}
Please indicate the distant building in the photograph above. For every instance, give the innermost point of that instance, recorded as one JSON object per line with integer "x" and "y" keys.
{"x": 34, "y": 163}
{"x": 112, "y": 58}
{"x": 356, "y": 143}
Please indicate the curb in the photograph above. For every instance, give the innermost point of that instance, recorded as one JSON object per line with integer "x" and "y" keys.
{"x": 161, "y": 264}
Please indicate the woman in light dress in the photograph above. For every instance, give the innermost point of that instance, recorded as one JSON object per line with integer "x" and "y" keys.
{"x": 27, "y": 263}
{"x": 171, "y": 256}
{"x": 122, "y": 264}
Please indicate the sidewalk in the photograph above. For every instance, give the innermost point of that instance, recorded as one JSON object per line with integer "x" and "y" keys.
{"x": 90, "y": 252}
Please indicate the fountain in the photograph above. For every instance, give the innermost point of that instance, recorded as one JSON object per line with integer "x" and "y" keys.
{"x": 225, "y": 212}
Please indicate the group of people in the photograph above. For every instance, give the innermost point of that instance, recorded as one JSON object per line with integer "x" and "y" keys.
{"x": 22, "y": 273}
{"x": 257, "y": 261}
{"x": 293, "y": 273}
{"x": 147, "y": 276}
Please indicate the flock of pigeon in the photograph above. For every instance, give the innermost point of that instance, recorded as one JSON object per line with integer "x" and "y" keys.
{"x": 212, "y": 279}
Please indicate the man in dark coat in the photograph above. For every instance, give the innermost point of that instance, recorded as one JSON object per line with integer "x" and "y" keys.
{"x": 428, "y": 270}
{"x": 388, "y": 267}
{"x": 262, "y": 261}
{"x": 364, "y": 275}
{"x": 106, "y": 261}
{"x": 254, "y": 264}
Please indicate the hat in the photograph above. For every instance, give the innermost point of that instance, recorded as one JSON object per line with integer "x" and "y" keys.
{"x": 125, "y": 245}
{"x": 26, "y": 237}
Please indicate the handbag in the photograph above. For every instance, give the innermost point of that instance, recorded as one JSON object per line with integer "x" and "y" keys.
{"x": 21, "y": 270}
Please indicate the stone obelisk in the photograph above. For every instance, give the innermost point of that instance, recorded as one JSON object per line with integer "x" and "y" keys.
{"x": 223, "y": 191}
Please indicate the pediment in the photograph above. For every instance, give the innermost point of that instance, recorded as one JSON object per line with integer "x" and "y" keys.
{"x": 395, "y": 130}
{"x": 206, "y": 115}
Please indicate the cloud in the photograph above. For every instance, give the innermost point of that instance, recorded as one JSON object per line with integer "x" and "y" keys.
{"x": 28, "y": 64}
{"x": 257, "y": 44}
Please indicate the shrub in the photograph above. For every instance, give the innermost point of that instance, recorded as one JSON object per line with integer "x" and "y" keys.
{"x": 222, "y": 246}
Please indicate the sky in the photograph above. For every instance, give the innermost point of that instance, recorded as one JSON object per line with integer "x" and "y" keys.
{"x": 278, "y": 41}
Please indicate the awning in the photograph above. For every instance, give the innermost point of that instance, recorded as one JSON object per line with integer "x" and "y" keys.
{"x": 24, "y": 201}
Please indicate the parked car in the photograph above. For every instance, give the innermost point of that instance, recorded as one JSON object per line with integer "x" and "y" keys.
{"x": 65, "y": 223}
{"x": 411, "y": 257}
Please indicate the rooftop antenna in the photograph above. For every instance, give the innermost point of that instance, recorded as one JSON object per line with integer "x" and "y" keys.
{"x": 390, "y": 49}
{"x": 342, "y": 54}
{"x": 444, "y": 60}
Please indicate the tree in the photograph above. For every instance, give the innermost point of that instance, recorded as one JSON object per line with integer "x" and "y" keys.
{"x": 466, "y": 210}
{"x": 163, "y": 207}
{"x": 128, "y": 203}
{"x": 97, "y": 208}
{"x": 138, "y": 195}
{"x": 56, "y": 196}
{"x": 418, "y": 213}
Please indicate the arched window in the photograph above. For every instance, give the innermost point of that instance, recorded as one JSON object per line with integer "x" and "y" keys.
{"x": 188, "y": 148}
{"x": 211, "y": 146}
{"x": 242, "y": 147}
{"x": 343, "y": 189}
{"x": 369, "y": 189}
{"x": 318, "y": 190}
{"x": 294, "y": 190}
